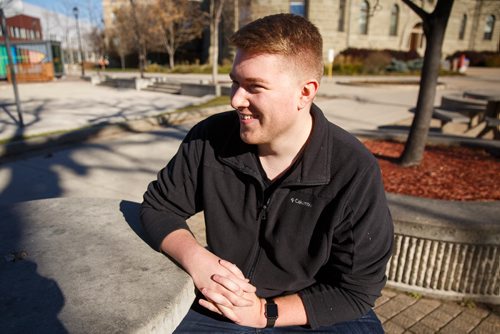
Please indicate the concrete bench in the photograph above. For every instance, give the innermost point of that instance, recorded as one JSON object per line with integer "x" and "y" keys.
{"x": 446, "y": 249}
{"x": 83, "y": 266}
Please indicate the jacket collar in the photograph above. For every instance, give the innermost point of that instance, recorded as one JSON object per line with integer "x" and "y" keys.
{"x": 313, "y": 168}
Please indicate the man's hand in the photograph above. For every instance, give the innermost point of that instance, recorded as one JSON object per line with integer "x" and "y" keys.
{"x": 236, "y": 310}
{"x": 208, "y": 271}
{"x": 202, "y": 265}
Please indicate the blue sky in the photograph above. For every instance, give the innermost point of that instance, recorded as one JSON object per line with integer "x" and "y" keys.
{"x": 88, "y": 9}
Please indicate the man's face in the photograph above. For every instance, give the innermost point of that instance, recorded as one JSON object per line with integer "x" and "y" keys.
{"x": 266, "y": 94}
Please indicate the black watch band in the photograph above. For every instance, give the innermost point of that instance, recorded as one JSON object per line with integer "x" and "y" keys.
{"x": 271, "y": 312}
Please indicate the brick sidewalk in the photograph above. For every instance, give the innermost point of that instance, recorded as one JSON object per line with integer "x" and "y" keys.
{"x": 402, "y": 313}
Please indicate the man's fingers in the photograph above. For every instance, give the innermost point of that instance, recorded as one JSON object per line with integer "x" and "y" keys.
{"x": 224, "y": 311}
{"x": 228, "y": 284}
{"x": 240, "y": 279}
{"x": 227, "y": 299}
{"x": 216, "y": 298}
{"x": 232, "y": 268}
{"x": 209, "y": 306}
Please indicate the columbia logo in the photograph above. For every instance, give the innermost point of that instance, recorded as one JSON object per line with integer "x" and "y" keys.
{"x": 300, "y": 202}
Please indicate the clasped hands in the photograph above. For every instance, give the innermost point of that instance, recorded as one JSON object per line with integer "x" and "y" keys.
{"x": 229, "y": 293}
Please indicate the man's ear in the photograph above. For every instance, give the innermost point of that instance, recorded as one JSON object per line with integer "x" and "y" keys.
{"x": 308, "y": 92}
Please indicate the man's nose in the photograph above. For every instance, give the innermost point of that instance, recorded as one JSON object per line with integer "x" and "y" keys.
{"x": 239, "y": 98}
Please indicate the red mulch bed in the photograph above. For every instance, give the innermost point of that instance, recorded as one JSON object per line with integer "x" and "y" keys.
{"x": 451, "y": 173}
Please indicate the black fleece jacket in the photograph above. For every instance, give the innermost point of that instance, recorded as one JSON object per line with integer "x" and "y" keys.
{"x": 325, "y": 233}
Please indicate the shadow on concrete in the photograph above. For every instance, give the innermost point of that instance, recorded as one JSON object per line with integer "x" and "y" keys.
{"x": 29, "y": 302}
{"x": 131, "y": 212}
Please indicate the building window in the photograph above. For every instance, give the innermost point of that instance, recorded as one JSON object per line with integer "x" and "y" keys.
{"x": 298, "y": 8}
{"x": 393, "y": 29}
{"x": 489, "y": 27}
{"x": 341, "y": 15}
{"x": 363, "y": 17}
{"x": 463, "y": 25}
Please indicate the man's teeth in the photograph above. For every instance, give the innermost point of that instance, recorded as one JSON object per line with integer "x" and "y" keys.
{"x": 245, "y": 117}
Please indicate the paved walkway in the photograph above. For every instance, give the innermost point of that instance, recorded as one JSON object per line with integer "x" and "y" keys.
{"x": 121, "y": 167}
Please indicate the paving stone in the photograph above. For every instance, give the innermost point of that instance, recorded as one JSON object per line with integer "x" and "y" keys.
{"x": 415, "y": 312}
{"x": 393, "y": 328}
{"x": 381, "y": 318}
{"x": 463, "y": 323}
{"x": 389, "y": 293}
{"x": 438, "y": 318}
{"x": 381, "y": 300}
{"x": 490, "y": 325}
{"x": 452, "y": 309}
{"x": 479, "y": 311}
{"x": 395, "y": 305}
{"x": 420, "y": 328}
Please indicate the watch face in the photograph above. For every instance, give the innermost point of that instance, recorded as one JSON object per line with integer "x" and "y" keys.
{"x": 271, "y": 310}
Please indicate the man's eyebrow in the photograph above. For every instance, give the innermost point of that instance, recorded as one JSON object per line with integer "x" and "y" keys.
{"x": 249, "y": 80}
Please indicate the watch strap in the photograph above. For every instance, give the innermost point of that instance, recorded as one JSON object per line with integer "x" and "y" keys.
{"x": 271, "y": 312}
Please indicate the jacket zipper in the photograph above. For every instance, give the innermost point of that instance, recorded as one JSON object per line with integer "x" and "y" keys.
{"x": 262, "y": 220}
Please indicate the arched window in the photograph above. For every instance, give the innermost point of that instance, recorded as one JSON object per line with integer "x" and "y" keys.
{"x": 463, "y": 25}
{"x": 393, "y": 29}
{"x": 363, "y": 17}
{"x": 489, "y": 27}
{"x": 341, "y": 25}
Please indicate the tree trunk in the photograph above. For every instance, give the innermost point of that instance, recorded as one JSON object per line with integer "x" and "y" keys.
{"x": 122, "y": 60}
{"x": 215, "y": 47}
{"x": 171, "y": 40}
{"x": 434, "y": 30}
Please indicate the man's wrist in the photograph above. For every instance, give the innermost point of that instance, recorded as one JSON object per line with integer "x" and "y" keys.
{"x": 271, "y": 312}
{"x": 262, "y": 317}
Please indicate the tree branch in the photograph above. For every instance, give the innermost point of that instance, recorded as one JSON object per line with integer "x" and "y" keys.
{"x": 418, "y": 10}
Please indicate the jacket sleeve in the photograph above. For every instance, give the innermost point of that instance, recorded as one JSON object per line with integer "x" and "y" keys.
{"x": 173, "y": 196}
{"x": 352, "y": 279}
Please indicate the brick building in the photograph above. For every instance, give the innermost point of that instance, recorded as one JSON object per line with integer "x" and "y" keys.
{"x": 23, "y": 28}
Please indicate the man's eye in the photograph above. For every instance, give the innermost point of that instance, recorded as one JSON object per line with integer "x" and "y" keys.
{"x": 255, "y": 87}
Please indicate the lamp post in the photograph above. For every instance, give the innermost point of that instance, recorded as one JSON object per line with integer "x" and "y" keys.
{"x": 82, "y": 56}
{"x": 16, "y": 6}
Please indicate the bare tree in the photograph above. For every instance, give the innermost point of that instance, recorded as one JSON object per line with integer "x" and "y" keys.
{"x": 97, "y": 39}
{"x": 133, "y": 28}
{"x": 434, "y": 25}
{"x": 178, "y": 22}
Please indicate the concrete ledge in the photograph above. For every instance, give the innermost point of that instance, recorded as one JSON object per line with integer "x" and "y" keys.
{"x": 82, "y": 266}
{"x": 191, "y": 89}
{"x": 446, "y": 249}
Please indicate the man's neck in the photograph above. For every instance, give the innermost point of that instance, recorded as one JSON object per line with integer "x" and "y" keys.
{"x": 279, "y": 155}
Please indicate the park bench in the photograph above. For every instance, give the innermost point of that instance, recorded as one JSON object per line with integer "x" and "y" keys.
{"x": 458, "y": 108}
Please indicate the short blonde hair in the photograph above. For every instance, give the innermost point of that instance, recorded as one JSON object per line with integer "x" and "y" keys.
{"x": 284, "y": 34}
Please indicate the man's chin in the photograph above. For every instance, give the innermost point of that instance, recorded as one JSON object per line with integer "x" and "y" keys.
{"x": 248, "y": 139}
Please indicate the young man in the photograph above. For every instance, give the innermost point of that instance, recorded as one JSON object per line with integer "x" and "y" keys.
{"x": 298, "y": 228}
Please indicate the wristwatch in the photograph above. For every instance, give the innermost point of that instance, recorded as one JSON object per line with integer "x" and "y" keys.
{"x": 271, "y": 312}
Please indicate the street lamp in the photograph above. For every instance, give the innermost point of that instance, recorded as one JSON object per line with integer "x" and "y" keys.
{"x": 82, "y": 56}
{"x": 10, "y": 8}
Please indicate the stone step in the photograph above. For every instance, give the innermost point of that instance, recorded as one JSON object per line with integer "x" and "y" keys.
{"x": 164, "y": 87}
